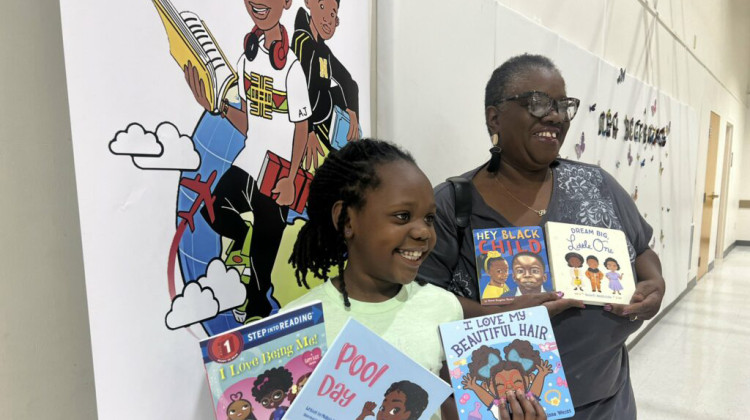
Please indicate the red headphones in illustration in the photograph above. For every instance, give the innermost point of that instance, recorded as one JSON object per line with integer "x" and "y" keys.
{"x": 278, "y": 51}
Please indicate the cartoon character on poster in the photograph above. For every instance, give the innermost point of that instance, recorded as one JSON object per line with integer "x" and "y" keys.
{"x": 247, "y": 166}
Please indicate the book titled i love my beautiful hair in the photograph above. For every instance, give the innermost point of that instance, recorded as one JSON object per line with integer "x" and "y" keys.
{"x": 490, "y": 355}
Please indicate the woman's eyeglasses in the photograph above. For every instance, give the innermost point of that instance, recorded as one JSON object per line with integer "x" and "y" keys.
{"x": 539, "y": 104}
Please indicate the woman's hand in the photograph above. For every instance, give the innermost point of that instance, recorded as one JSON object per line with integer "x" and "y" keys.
{"x": 645, "y": 302}
{"x": 553, "y": 301}
{"x": 649, "y": 292}
{"x": 523, "y": 407}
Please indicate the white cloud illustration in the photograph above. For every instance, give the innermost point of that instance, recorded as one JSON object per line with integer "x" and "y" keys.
{"x": 179, "y": 151}
{"x": 136, "y": 141}
{"x": 195, "y": 304}
{"x": 225, "y": 283}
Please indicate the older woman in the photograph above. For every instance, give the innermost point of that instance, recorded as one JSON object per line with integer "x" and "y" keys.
{"x": 524, "y": 183}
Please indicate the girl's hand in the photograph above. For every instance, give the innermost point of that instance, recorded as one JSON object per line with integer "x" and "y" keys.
{"x": 523, "y": 407}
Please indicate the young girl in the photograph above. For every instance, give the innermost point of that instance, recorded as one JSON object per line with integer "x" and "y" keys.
{"x": 371, "y": 212}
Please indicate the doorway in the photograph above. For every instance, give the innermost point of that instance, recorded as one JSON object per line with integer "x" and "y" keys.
{"x": 725, "y": 176}
{"x": 709, "y": 194}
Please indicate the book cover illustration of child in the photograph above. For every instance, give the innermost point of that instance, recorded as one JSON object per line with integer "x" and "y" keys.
{"x": 613, "y": 276}
{"x": 603, "y": 279}
{"x": 510, "y": 262}
{"x": 403, "y": 400}
{"x": 496, "y": 268}
{"x": 239, "y": 409}
{"x": 491, "y": 355}
{"x": 256, "y": 371}
{"x": 361, "y": 368}
{"x": 593, "y": 273}
{"x": 575, "y": 262}
{"x": 270, "y": 389}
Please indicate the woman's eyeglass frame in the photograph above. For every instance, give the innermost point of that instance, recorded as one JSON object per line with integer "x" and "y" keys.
{"x": 535, "y": 99}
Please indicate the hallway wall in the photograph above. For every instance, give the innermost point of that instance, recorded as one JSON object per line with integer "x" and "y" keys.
{"x": 697, "y": 52}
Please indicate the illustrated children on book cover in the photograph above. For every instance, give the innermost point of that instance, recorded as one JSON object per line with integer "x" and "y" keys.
{"x": 255, "y": 372}
{"x": 364, "y": 377}
{"x": 490, "y": 355}
{"x": 591, "y": 264}
{"x": 510, "y": 262}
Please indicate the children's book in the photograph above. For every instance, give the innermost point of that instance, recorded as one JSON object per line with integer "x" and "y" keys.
{"x": 256, "y": 371}
{"x": 590, "y": 263}
{"x": 489, "y": 355}
{"x": 340, "y": 128}
{"x": 275, "y": 168}
{"x": 191, "y": 41}
{"x": 510, "y": 262}
{"x": 362, "y": 375}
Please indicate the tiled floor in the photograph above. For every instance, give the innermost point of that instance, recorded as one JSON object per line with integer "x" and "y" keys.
{"x": 695, "y": 362}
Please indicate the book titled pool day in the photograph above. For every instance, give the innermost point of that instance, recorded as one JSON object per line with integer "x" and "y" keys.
{"x": 489, "y": 355}
{"x": 257, "y": 370}
{"x": 362, "y": 375}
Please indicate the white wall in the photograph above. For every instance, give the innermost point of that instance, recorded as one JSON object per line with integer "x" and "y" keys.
{"x": 432, "y": 71}
{"x": 46, "y": 369}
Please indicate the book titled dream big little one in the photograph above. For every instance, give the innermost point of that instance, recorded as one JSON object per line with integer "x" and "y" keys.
{"x": 510, "y": 262}
{"x": 490, "y": 355}
{"x": 257, "y": 370}
{"x": 590, "y": 263}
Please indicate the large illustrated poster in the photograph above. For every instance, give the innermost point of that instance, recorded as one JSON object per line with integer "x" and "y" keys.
{"x": 197, "y": 128}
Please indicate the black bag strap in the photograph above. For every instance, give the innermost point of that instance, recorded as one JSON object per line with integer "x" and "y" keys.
{"x": 462, "y": 192}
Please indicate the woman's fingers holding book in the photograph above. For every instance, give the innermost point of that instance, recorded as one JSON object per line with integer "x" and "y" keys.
{"x": 534, "y": 299}
{"x": 560, "y": 305}
{"x": 644, "y": 304}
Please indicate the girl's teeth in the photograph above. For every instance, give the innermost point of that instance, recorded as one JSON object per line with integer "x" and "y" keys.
{"x": 411, "y": 255}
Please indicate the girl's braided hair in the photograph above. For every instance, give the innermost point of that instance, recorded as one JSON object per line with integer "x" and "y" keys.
{"x": 345, "y": 176}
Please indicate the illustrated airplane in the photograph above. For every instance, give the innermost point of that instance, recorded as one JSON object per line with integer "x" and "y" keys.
{"x": 203, "y": 189}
